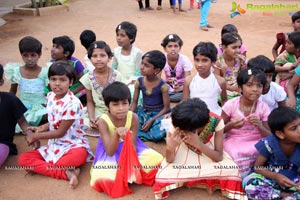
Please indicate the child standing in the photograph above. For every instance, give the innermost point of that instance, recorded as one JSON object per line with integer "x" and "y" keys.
{"x": 127, "y": 58}
{"x": 204, "y": 10}
{"x": 276, "y": 169}
{"x": 67, "y": 148}
{"x": 63, "y": 49}
{"x": 272, "y": 94}
{"x": 230, "y": 28}
{"x": 121, "y": 157}
{"x": 205, "y": 84}
{"x": 245, "y": 119}
{"x": 288, "y": 60}
{"x": 192, "y": 4}
{"x": 178, "y": 67}
{"x": 11, "y": 113}
{"x": 231, "y": 62}
{"x": 194, "y": 153}
{"x": 147, "y": 5}
{"x": 179, "y": 6}
{"x": 282, "y": 37}
{"x": 95, "y": 81}
{"x": 87, "y": 37}
{"x": 30, "y": 79}
{"x": 156, "y": 100}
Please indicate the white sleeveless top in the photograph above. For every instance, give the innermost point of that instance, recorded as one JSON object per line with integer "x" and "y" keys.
{"x": 208, "y": 90}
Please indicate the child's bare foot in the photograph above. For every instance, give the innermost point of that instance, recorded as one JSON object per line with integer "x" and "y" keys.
{"x": 158, "y": 8}
{"x": 182, "y": 10}
{"x": 72, "y": 175}
{"x": 142, "y": 9}
{"x": 149, "y": 8}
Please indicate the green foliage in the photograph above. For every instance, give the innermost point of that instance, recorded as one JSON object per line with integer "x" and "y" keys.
{"x": 46, "y": 3}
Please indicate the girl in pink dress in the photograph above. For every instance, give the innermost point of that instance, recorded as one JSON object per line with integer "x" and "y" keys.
{"x": 245, "y": 119}
{"x": 177, "y": 67}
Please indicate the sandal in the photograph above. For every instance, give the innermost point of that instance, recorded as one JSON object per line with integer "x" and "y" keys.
{"x": 91, "y": 132}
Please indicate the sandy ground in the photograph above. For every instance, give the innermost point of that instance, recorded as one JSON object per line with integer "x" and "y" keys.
{"x": 258, "y": 33}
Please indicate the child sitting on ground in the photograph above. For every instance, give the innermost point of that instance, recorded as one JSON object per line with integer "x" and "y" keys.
{"x": 230, "y": 28}
{"x": 95, "y": 81}
{"x": 11, "y": 113}
{"x": 245, "y": 119}
{"x": 127, "y": 58}
{"x": 29, "y": 80}
{"x": 276, "y": 169}
{"x": 288, "y": 60}
{"x": 282, "y": 37}
{"x": 63, "y": 49}
{"x": 205, "y": 84}
{"x": 178, "y": 67}
{"x": 87, "y": 37}
{"x": 231, "y": 62}
{"x": 119, "y": 148}
{"x": 272, "y": 94}
{"x": 67, "y": 148}
{"x": 194, "y": 153}
{"x": 156, "y": 102}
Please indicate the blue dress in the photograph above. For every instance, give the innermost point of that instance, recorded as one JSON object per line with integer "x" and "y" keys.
{"x": 152, "y": 105}
{"x": 260, "y": 187}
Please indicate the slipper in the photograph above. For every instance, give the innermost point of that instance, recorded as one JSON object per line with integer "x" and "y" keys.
{"x": 210, "y": 26}
{"x": 203, "y": 28}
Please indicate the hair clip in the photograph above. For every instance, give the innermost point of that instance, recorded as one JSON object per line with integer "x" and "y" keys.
{"x": 171, "y": 37}
{"x": 249, "y": 72}
{"x": 235, "y": 37}
{"x": 95, "y": 46}
{"x": 119, "y": 27}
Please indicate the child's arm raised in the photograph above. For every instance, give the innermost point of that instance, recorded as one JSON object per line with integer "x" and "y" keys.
{"x": 166, "y": 108}
{"x": 136, "y": 95}
{"x": 57, "y": 133}
{"x": 215, "y": 154}
{"x": 260, "y": 168}
{"x": 110, "y": 142}
{"x": 173, "y": 140}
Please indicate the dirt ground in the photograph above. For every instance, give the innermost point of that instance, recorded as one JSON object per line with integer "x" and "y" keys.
{"x": 257, "y": 30}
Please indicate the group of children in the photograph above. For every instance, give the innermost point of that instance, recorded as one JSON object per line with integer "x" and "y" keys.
{"x": 226, "y": 105}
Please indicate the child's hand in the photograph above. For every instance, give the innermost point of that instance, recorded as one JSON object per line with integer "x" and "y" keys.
{"x": 30, "y": 139}
{"x": 190, "y": 138}
{"x": 121, "y": 131}
{"x": 254, "y": 120}
{"x": 237, "y": 123}
{"x": 284, "y": 181}
{"x": 173, "y": 139}
{"x": 291, "y": 102}
{"x": 93, "y": 123}
{"x": 36, "y": 144}
{"x": 146, "y": 127}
